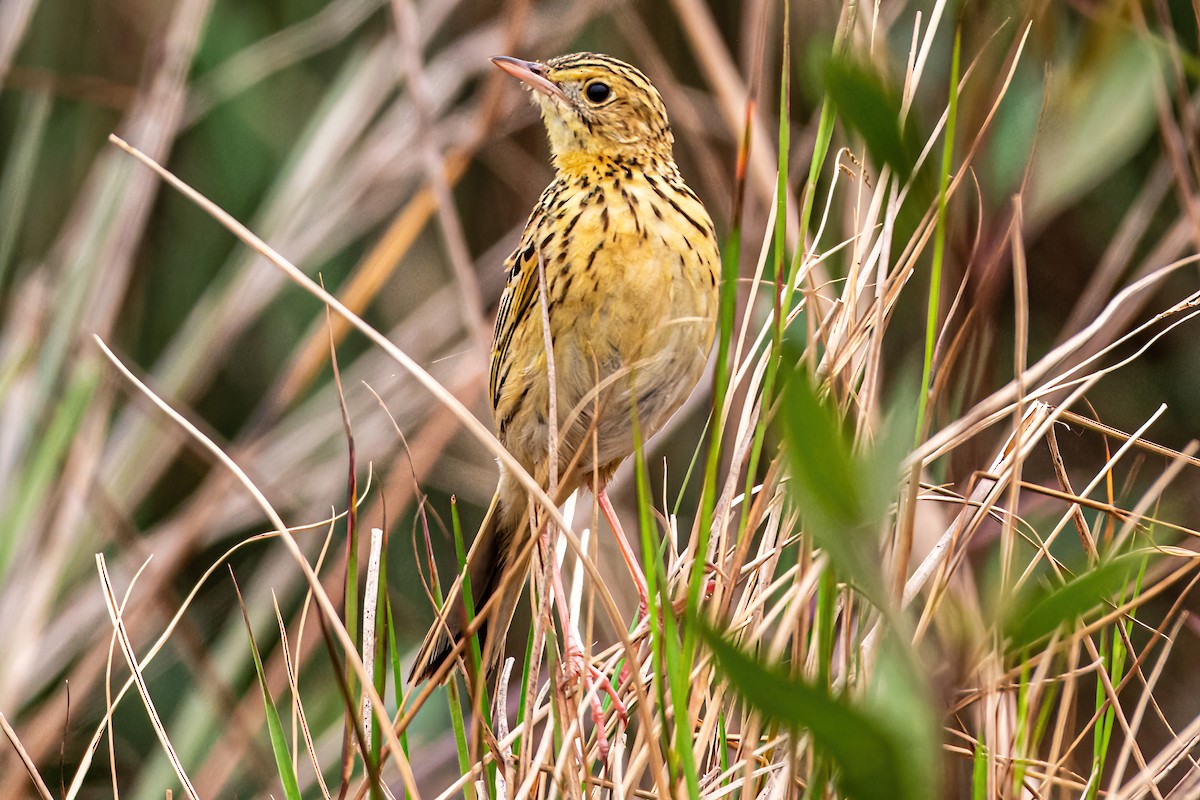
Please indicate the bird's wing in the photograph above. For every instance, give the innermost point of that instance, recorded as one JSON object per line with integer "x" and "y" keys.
{"x": 517, "y": 301}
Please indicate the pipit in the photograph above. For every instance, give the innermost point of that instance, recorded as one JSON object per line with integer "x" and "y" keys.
{"x": 627, "y": 259}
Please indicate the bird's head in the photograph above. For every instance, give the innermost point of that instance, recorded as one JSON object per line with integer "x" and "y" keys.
{"x": 595, "y": 107}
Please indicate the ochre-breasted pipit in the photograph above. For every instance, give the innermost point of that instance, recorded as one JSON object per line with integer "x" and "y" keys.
{"x": 630, "y": 264}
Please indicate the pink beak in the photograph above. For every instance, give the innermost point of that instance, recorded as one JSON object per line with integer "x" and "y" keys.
{"x": 531, "y": 73}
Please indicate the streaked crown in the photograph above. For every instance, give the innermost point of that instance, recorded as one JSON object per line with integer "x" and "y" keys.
{"x": 596, "y": 106}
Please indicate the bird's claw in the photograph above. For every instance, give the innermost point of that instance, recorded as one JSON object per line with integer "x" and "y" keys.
{"x": 578, "y": 670}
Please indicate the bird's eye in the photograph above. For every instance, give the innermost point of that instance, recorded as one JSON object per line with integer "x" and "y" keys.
{"x": 597, "y": 91}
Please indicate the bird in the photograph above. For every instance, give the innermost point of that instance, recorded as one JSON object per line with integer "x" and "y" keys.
{"x": 621, "y": 258}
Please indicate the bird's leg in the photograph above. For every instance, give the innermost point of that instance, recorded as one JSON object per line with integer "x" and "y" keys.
{"x": 635, "y": 569}
{"x": 576, "y": 667}
{"x": 631, "y": 561}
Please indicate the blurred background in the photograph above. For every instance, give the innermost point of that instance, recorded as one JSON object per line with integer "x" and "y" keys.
{"x": 374, "y": 145}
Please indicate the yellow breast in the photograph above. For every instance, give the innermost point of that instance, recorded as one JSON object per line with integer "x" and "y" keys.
{"x": 631, "y": 265}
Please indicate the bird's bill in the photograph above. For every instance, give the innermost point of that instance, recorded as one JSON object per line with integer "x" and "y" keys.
{"x": 531, "y": 73}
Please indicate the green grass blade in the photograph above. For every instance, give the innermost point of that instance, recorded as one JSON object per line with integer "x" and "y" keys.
{"x": 283, "y": 758}
{"x": 778, "y": 256}
{"x": 397, "y": 668}
{"x": 350, "y": 605}
{"x": 45, "y": 465}
{"x": 730, "y": 257}
{"x": 460, "y": 731}
{"x": 681, "y": 757}
{"x": 727, "y": 304}
{"x": 523, "y": 705}
{"x": 691, "y": 468}
{"x": 17, "y": 176}
{"x": 939, "y": 242}
{"x": 1113, "y": 658}
{"x": 482, "y": 704}
{"x": 380, "y": 633}
{"x": 979, "y": 773}
{"x": 1037, "y": 612}
{"x": 460, "y": 551}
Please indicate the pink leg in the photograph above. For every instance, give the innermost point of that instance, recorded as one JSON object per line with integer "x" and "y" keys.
{"x": 635, "y": 569}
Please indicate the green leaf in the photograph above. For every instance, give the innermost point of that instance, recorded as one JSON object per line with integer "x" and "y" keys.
{"x": 1037, "y": 612}
{"x": 979, "y": 773}
{"x": 823, "y": 466}
{"x": 898, "y": 698}
{"x": 1103, "y": 110}
{"x": 872, "y": 108}
{"x": 876, "y": 759}
{"x": 842, "y": 495}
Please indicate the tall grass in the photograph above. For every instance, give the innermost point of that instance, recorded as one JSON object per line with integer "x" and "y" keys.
{"x": 955, "y": 222}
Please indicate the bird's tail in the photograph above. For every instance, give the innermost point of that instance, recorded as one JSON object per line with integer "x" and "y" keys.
{"x": 497, "y": 564}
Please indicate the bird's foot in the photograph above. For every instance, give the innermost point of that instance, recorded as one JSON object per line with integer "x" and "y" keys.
{"x": 707, "y": 590}
{"x": 578, "y": 670}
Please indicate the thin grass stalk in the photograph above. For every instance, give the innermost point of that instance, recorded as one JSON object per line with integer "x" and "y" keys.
{"x": 374, "y": 634}
{"x": 668, "y": 660}
{"x": 349, "y": 583}
{"x": 45, "y": 463}
{"x": 460, "y": 552}
{"x": 730, "y": 261}
{"x": 39, "y": 785}
{"x": 132, "y": 662}
{"x": 1112, "y": 654}
{"x": 1146, "y": 698}
{"x": 779, "y": 256}
{"x": 329, "y": 612}
{"x": 475, "y": 656}
{"x": 299, "y": 720}
{"x": 825, "y": 125}
{"x": 463, "y": 743}
{"x": 658, "y": 606}
{"x": 529, "y": 674}
{"x": 348, "y": 700}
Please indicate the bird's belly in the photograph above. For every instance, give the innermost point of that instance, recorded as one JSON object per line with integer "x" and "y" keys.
{"x": 631, "y": 336}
